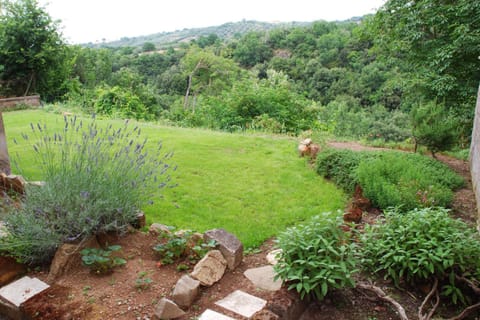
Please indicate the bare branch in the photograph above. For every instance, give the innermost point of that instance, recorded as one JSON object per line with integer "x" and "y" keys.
{"x": 383, "y": 296}
{"x": 427, "y": 298}
{"x": 470, "y": 283}
{"x": 466, "y": 312}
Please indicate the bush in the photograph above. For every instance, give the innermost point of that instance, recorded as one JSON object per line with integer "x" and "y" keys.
{"x": 420, "y": 245}
{"x": 96, "y": 180}
{"x": 340, "y": 166}
{"x": 101, "y": 261}
{"x": 408, "y": 180}
{"x": 316, "y": 257}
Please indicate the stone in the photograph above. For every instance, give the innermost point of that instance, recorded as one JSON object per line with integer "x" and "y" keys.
{"x": 229, "y": 245}
{"x": 67, "y": 257}
{"x": 167, "y": 309}
{"x": 186, "y": 291}
{"x": 21, "y": 290}
{"x": 158, "y": 228}
{"x": 213, "y": 315}
{"x": 10, "y": 270}
{"x": 265, "y": 314}
{"x": 210, "y": 269}
{"x": 287, "y": 304}
{"x": 13, "y": 182}
{"x": 263, "y": 278}
{"x": 273, "y": 256}
{"x": 140, "y": 221}
{"x": 242, "y": 303}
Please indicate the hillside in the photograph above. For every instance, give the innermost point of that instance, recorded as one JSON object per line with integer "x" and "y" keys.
{"x": 225, "y": 31}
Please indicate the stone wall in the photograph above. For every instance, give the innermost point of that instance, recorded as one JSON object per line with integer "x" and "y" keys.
{"x": 12, "y": 102}
{"x": 475, "y": 156}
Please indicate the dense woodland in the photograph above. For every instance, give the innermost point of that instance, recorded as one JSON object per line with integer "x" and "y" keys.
{"x": 409, "y": 71}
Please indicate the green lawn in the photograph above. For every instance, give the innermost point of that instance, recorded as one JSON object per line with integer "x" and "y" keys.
{"x": 253, "y": 186}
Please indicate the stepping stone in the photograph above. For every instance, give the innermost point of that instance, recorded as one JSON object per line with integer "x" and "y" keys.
{"x": 21, "y": 290}
{"x": 262, "y": 278}
{"x": 212, "y": 315}
{"x": 242, "y": 303}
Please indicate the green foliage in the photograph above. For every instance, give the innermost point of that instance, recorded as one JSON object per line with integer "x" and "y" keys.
{"x": 34, "y": 58}
{"x": 96, "y": 180}
{"x": 316, "y": 257}
{"x": 421, "y": 245}
{"x": 101, "y": 261}
{"x": 120, "y": 103}
{"x": 407, "y": 180}
{"x": 148, "y": 46}
{"x": 143, "y": 282}
{"x": 340, "y": 166}
{"x": 433, "y": 127}
{"x": 183, "y": 244}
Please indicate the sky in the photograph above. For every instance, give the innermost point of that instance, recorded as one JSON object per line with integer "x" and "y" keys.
{"x": 85, "y": 21}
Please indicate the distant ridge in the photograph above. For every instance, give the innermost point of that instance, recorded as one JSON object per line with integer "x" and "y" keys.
{"x": 225, "y": 31}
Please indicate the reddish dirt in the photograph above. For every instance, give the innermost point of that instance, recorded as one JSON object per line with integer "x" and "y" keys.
{"x": 83, "y": 295}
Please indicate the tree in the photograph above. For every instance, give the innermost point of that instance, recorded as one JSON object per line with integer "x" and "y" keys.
{"x": 148, "y": 46}
{"x": 33, "y": 56}
{"x": 439, "y": 41}
{"x": 433, "y": 127}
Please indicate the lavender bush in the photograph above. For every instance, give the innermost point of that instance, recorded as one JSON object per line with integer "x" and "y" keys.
{"x": 96, "y": 180}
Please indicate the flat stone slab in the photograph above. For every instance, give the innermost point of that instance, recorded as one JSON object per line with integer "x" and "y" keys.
{"x": 242, "y": 303}
{"x": 21, "y": 290}
{"x": 213, "y": 315}
{"x": 262, "y": 278}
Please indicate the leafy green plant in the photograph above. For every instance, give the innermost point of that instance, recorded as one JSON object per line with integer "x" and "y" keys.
{"x": 96, "y": 180}
{"x": 143, "y": 282}
{"x": 316, "y": 257}
{"x": 101, "y": 261}
{"x": 420, "y": 245}
{"x": 174, "y": 246}
{"x": 340, "y": 166}
{"x": 407, "y": 180}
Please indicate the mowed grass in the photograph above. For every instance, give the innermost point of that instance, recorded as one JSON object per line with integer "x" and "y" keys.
{"x": 253, "y": 186}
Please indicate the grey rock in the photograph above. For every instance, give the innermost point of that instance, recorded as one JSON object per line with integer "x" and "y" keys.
{"x": 186, "y": 291}
{"x": 228, "y": 244}
{"x": 263, "y": 278}
{"x": 167, "y": 309}
{"x": 210, "y": 269}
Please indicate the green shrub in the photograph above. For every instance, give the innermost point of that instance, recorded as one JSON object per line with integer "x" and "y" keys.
{"x": 408, "y": 180}
{"x": 96, "y": 180}
{"x": 340, "y": 166}
{"x": 316, "y": 257}
{"x": 420, "y": 245}
{"x": 100, "y": 261}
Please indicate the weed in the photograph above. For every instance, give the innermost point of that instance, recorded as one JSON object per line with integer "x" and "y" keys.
{"x": 143, "y": 282}
{"x": 100, "y": 261}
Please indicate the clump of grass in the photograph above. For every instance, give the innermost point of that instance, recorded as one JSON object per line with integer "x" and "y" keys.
{"x": 96, "y": 180}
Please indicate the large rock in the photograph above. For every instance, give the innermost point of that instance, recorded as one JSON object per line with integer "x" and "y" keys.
{"x": 186, "y": 291}
{"x": 10, "y": 270}
{"x": 167, "y": 309}
{"x": 210, "y": 269}
{"x": 229, "y": 245}
{"x": 68, "y": 256}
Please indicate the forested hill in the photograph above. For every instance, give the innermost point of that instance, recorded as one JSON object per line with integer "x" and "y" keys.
{"x": 225, "y": 31}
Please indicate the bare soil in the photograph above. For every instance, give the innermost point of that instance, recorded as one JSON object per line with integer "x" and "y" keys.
{"x": 83, "y": 295}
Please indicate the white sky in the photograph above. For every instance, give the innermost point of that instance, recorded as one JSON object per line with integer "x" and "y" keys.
{"x": 93, "y": 20}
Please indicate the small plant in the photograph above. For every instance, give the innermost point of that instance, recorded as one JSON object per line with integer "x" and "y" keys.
{"x": 423, "y": 245}
{"x": 316, "y": 257}
{"x": 100, "y": 261}
{"x": 185, "y": 244}
{"x": 182, "y": 267}
{"x": 143, "y": 282}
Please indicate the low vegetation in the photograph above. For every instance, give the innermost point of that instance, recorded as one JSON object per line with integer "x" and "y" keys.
{"x": 391, "y": 178}
{"x": 317, "y": 257}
